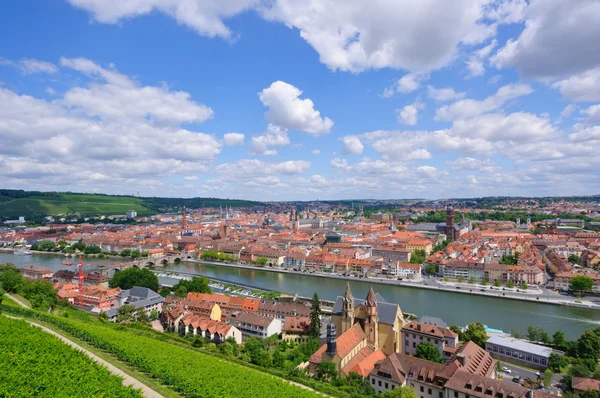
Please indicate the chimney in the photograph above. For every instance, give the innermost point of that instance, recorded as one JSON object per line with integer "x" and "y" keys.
{"x": 530, "y": 394}
{"x": 461, "y": 359}
{"x": 331, "y": 344}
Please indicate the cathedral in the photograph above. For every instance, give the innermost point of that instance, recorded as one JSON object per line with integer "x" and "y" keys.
{"x": 361, "y": 332}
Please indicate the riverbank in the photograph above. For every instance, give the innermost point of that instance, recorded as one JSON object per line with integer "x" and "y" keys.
{"x": 451, "y": 288}
{"x": 75, "y": 256}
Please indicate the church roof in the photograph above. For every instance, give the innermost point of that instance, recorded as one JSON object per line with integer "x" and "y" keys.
{"x": 386, "y": 311}
{"x": 371, "y": 296}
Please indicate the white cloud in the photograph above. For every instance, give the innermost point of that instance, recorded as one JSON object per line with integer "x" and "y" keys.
{"x": 233, "y": 139}
{"x": 190, "y": 178}
{"x": 274, "y": 136}
{"x": 206, "y": 17}
{"x": 249, "y": 168}
{"x": 469, "y": 107}
{"x": 468, "y": 163}
{"x": 352, "y": 145}
{"x": 517, "y": 127}
{"x": 568, "y": 110}
{"x": 477, "y": 58}
{"x": 286, "y": 109}
{"x": 408, "y": 115}
{"x": 316, "y": 152}
{"x": 406, "y": 84}
{"x": 354, "y": 36}
{"x": 560, "y": 38}
{"x": 583, "y": 134}
{"x": 444, "y": 94}
{"x": 592, "y": 113}
{"x": 30, "y": 66}
{"x": 583, "y": 87}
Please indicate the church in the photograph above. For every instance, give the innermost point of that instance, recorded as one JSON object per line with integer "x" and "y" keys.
{"x": 361, "y": 333}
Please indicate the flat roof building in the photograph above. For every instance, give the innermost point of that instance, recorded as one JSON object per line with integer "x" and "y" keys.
{"x": 521, "y": 352}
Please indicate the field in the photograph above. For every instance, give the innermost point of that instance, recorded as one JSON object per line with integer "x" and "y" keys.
{"x": 29, "y": 204}
{"x": 34, "y": 363}
{"x": 183, "y": 369}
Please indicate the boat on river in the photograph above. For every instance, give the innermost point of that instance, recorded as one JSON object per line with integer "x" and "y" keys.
{"x": 67, "y": 263}
{"x": 22, "y": 252}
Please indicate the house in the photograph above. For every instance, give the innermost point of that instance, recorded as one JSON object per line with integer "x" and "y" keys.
{"x": 213, "y": 331}
{"x": 282, "y": 310}
{"x": 296, "y": 329}
{"x": 581, "y": 384}
{"x": 294, "y": 260}
{"x": 99, "y": 297}
{"x": 416, "y": 333}
{"x": 350, "y": 352}
{"x": 138, "y": 297}
{"x": 255, "y": 325}
{"x": 466, "y": 385}
{"x": 382, "y": 321}
{"x": 33, "y": 272}
{"x": 521, "y": 352}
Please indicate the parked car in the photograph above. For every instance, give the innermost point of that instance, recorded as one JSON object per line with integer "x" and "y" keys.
{"x": 458, "y": 287}
{"x": 516, "y": 380}
{"x": 506, "y": 370}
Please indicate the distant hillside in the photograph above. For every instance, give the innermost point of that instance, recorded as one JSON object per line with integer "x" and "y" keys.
{"x": 15, "y": 203}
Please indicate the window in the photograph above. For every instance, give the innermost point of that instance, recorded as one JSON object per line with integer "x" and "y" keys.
{"x": 422, "y": 389}
{"x": 495, "y": 349}
{"x": 440, "y": 394}
{"x": 455, "y": 394}
{"x": 387, "y": 386}
{"x": 429, "y": 391}
{"x": 542, "y": 361}
{"x": 406, "y": 342}
{"x": 379, "y": 382}
{"x": 414, "y": 344}
{"x": 428, "y": 339}
{"x": 372, "y": 381}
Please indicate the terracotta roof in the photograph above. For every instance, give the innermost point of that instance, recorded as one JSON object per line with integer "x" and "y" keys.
{"x": 296, "y": 324}
{"x": 481, "y": 386}
{"x": 363, "y": 365}
{"x": 350, "y": 339}
{"x": 474, "y": 359}
{"x": 431, "y": 330}
{"x": 583, "y": 384}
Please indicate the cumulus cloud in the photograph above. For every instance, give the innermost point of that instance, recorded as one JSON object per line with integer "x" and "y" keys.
{"x": 583, "y": 87}
{"x": 592, "y": 113}
{"x": 250, "y": 168}
{"x": 408, "y": 115}
{"x": 233, "y": 139}
{"x": 286, "y": 109}
{"x": 469, "y": 107}
{"x": 444, "y": 94}
{"x": 469, "y": 163}
{"x": 206, "y": 17}
{"x": 316, "y": 151}
{"x": 30, "y": 66}
{"x": 107, "y": 131}
{"x": 352, "y": 145}
{"x": 477, "y": 59}
{"x": 275, "y": 136}
{"x": 560, "y": 38}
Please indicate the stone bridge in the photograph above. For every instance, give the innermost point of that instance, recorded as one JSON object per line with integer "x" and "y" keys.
{"x": 145, "y": 262}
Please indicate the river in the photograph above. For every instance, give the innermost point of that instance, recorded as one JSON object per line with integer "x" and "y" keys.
{"x": 453, "y": 308}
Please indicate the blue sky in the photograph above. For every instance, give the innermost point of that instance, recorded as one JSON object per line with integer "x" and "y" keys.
{"x": 302, "y": 100}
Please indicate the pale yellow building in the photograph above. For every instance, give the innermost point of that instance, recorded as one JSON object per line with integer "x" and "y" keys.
{"x": 381, "y": 321}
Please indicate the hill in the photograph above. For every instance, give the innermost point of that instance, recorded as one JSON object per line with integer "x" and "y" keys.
{"x": 15, "y": 203}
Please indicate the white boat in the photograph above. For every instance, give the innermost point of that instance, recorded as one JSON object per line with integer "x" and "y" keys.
{"x": 22, "y": 252}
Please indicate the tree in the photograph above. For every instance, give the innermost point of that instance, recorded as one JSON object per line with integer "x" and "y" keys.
{"x": 261, "y": 261}
{"x": 1, "y": 298}
{"x": 472, "y": 280}
{"x": 41, "y": 294}
{"x": 485, "y": 281}
{"x": 588, "y": 345}
{"x": 428, "y": 351}
{"x": 547, "y": 378}
{"x": 510, "y": 284}
{"x": 315, "y": 317}
{"x": 131, "y": 277}
{"x": 418, "y": 256}
{"x": 431, "y": 269}
{"x": 574, "y": 258}
{"x": 497, "y": 283}
{"x": 45, "y": 245}
{"x": 103, "y": 317}
{"x": 559, "y": 341}
{"x": 456, "y": 329}
{"x": 141, "y": 315}
{"x": 400, "y": 392}
{"x": 534, "y": 333}
{"x": 326, "y": 371}
{"x": 524, "y": 285}
{"x": 126, "y": 253}
{"x": 11, "y": 280}
{"x": 516, "y": 333}
{"x": 580, "y": 370}
{"x": 181, "y": 291}
{"x": 196, "y": 284}
{"x": 460, "y": 279}
{"x": 476, "y": 333}
{"x": 581, "y": 284}
{"x": 154, "y": 314}
{"x": 126, "y": 313}
{"x": 557, "y": 362}
{"x": 92, "y": 249}
{"x": 589, "y": 394}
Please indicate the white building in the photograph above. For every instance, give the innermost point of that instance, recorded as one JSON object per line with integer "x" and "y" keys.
{"x": 416, "y": 333}
{"x": 255, "y": 325}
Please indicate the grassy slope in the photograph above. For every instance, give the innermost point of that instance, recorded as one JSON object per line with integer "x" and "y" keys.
{"x": 89, "y": 204}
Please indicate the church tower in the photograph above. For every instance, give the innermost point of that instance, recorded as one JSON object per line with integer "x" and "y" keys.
{"x": 450, "y": 233}
{"x": 348, "y": 310}
{"x": 372, "y": 321}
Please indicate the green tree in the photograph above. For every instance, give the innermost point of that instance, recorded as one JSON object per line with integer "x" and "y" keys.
{"x": 431, "y": 269}
{"x": 315, "y": 317}
{"x": 557, "y": 362}
{"x": 45, "y": 245}
{"x": 196, "y": 284}
{"x": 581, "y": 284}
{"x": 428, "y": 351}
{"x": 11, "y": 280}
{"x": 580, "y": 370}
{"x": 126, "y": 253}
{"x": 456, "y": 329}
{"x": 261, "y": 261}
{"x": 547, "y": 378}
{"x": 472, "y": 280}
{"x": 326, "y": 371}
{"x": 510, "y": 284}
{"x": 181, "y": 291}
{"x": 418, "y": 256}
{"x": 103, "y": 317}
{"x": 92, "y": 249}
{"x": 126, "y": 313}
{"x": 154, "y": 314}
{"x": 524, "y": 285}
{"x": 460, "y": 279}
{"x": 400, "y": 392}
{"x": 476, "y": 333}
{"x": 588, "y": 345}
{"x": 41, "y": 294}
{"x": 497, "y": 283}
{"x": 485, "y": 281}
{"x": 516, "y": 333}
{"x": 559, "y": 341}
{"x": 131, "y": 277}
{"x": 534, "y": 333}
{"x": 1, "y": 298}
{"x": 574, "y": 258}
{"x": 589, "y": 394}
{"x": 141, "y": 315}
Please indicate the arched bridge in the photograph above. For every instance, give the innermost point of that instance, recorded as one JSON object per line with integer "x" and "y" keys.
{"x": 145, "y": 262}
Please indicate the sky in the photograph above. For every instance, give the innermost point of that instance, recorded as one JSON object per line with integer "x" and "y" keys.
{"x": 301, "y": 99}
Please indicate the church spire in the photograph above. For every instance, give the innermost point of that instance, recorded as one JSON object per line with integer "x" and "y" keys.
{"x": 348, "y": 295}
{"x": 371, "y": 299}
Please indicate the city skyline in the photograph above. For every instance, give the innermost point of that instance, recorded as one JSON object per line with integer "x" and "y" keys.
{"x": 280, "y": 100}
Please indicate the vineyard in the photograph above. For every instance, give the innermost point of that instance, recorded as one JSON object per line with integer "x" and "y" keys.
{"x": 184, "y": 370}
{"x": 34, "y": 363}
